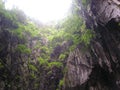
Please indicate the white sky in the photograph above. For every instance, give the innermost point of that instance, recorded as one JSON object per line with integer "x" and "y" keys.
{"x": 43, "y": 10}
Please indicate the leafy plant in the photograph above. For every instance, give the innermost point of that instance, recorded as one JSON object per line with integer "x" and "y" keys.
{"x": 32, "y": 67}
{"x": 44, "y": 49}
{"x": 55, "y": 64}
{"x": 62, "y": 56}
{"x": 33, "y": 76}
{"x": 23, "y": 49}
{"x": 87, "y": 36}
{"x": 42, "y": 61}
{"x": 61, "y": 83}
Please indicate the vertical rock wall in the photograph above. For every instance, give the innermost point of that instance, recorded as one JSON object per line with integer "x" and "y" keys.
{"x": 98, "y": 67}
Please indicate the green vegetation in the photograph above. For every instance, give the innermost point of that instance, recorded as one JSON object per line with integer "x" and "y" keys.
{"x": 87, "y": 36}
{"x": 36, "y": 44}
{"x": 32, "y": 67}
{"x": 42, "y": 61}
{"x": 1, "y": 4}
{"x": 62, "y": 56}
{"x": 33, "y": 76}
{"x": 23, "y": 49}
{"x": 55, "y": 64}
{"x": 84, "y": 2}
{"x": 1, "y": 65}
{"x": 61, "y": 83}
{"x": 119, "y": 24}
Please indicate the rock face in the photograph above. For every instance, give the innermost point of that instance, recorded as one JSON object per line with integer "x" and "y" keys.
{"x": 105, "y": 10}
{"x": 79, "y": 67}
{"x": 97, "y": 67}
{"x": 20, "y": 68}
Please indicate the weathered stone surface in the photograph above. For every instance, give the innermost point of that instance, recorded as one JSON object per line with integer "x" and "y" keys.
{"x": 79, "y": 68}
{"x": 98, "y": 68}
{"x": 105, "y": 10}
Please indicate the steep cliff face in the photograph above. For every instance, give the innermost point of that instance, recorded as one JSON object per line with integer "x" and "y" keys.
{"x": 97, "y": 67}
{"x": 33, "y": 58}
{"x": 24, "y": 57}
{"x": 11, "y": 61}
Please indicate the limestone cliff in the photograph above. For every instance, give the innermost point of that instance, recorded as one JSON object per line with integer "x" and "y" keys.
{"x": 55, "y": 58}
{"x": 97, "y": 67}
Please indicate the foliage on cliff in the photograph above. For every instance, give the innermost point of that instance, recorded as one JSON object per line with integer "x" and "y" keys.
{"x": 32, "y": 56}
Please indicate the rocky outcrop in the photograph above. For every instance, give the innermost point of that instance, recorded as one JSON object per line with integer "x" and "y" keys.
{"x": 97, "y": 67}
{"x": 105, "y": 10}
{"x": 79, "y": 67}
{"x": 11, "y": 63}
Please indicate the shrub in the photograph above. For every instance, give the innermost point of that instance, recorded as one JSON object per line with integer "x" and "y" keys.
{"x": 33, "y": 76}
{"x": 62, "y": 56}
{"x": 32, "y": 67}
{"x": 23, "y": 49}
{"x": 55, "y": 64}
{"x": 61, "y": 84}
{"x": 42, "y": 61}
{"x": 87, "y": 36}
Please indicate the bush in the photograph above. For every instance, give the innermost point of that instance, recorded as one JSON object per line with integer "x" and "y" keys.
{"x": 23, "y": 49}
{"x": 42, "y": 61}
{"x": 55, "y": 64}
{"x": 32, "y": 67}
{"x": 62, "y": 56}
{"x": 33, "y": 76}
{"x": 61, "y": 84}
{"x": 44, "y": 49}
{"x": 87, "y": 36}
